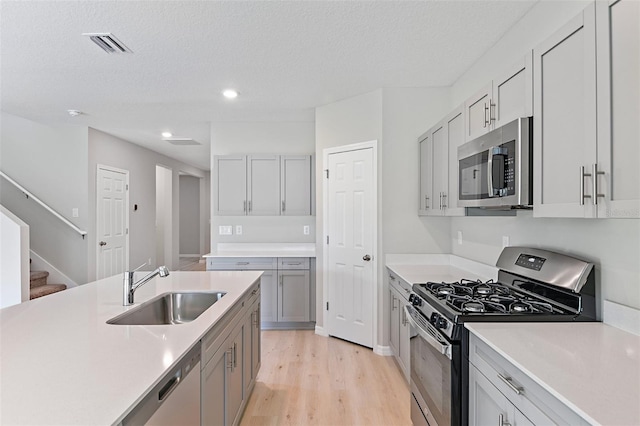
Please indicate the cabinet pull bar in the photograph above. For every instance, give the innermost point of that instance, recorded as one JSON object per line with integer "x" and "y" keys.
{"x": 235, "y": 351}
{"x": 486, "y": 120}
{"x": 230, "y": 358}
{"x": 283, "y": 206}
{"x": 426, "y": 202}
{"x": 444, "y": 200}
{"x": 492, "y": 109}
{"x": 501, "y": 421}
{"x": 582, "y": 194}
{"x": 595, "y": 174}
{"x": 249, "y": 206}
{"x": 244, "y": 206}
{"x": 508, "y": 382}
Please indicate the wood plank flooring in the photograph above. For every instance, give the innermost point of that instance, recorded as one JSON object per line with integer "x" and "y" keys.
{"x": 306, "y": 379}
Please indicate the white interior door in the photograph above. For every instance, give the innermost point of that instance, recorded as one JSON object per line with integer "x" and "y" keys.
{"x": 112, "y": 221}
{"x": 350, "y": 248}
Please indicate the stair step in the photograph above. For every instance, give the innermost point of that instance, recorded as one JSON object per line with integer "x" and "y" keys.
{"x": 38, "y": 278}
{"x": 46, "y": 289}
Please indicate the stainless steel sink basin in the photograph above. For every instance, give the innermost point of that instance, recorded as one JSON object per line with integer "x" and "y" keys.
{"x": 169, "y": 308}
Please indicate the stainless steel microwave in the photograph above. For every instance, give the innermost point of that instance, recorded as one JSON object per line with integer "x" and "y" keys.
{"x": 494, "y": 170}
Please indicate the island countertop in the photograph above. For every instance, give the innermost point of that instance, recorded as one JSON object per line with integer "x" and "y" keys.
{"x": 61, "y": 363}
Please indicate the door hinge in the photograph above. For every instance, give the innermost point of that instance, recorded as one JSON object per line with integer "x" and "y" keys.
{"x": 327, "y": 306}
{"x": 327, "y": 170}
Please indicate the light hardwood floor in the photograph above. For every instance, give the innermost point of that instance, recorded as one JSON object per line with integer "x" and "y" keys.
{"x": 306, "y": 379}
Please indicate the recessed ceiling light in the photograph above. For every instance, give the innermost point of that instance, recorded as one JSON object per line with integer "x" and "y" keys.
{"x": 74, "y": 112}
{"x": 230, "y": 94}
{"x": 167, "y": 134}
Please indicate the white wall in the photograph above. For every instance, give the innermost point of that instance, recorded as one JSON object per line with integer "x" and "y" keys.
{"x": 189, "y": 215}
{"x": 395, "y": 118}
{"x": 292, "y": 138}
{"x": 613, "y": 244}
{"x": 50, "y": 162}
{"x": 141, "y": 164}
{"x": 14, "y": 259}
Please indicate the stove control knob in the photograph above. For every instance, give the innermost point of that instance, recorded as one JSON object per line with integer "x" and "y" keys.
{"x": 441, "y": 323}
{"x": 416, "y": 300}
{"x": 433, "y": 319}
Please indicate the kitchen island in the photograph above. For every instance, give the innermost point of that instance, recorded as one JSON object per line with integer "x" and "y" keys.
{"x": 61, "y": 363}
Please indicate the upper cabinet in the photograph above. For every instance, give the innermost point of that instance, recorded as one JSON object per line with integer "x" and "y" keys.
{"x": 587, "y": 104}
{"x": 503, "y": 99}
{"x": 262, "y": 185}
{"x": 439, "y": 166}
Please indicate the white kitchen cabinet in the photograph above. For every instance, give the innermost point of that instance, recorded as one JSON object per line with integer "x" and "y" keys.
{"x": 564, "y": 134}
{"x": 262, "y": 185}
{"x": 287, "y": 288}
{"x": 295, "y": 185}
{"x": 497, "y": 387}
{"x": 399, "y": 327}
{"x": 618, "y": 109}
{"x": 503, "y": 99}
{"x": 229, "y": 368}
{"x": 439, "y": 166}
{"x": 426, "y": 173}
{"x": 293, "y": 296}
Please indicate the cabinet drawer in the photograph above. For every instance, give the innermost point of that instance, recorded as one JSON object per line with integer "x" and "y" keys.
{"x": 535, "y": 402}
{"x": 241, "y": 263}
{"x": 293, "y": 263}
{"x": 400, "y": 285}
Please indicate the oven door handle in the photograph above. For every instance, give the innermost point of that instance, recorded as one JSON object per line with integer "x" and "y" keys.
{"x": 428, "y": 332}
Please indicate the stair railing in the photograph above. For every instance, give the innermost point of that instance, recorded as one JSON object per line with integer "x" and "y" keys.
{"x": 43, "y": 204}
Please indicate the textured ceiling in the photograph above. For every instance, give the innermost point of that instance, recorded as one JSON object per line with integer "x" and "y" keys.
{"x": 285, "y": 58}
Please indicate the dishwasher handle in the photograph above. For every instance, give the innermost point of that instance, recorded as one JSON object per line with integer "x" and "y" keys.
{"x": 170, "y": 385}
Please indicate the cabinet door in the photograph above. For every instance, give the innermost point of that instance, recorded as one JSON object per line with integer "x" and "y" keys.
{"x": 565, "y": 126}
{"x": 264, "y": 185}
{"x": 394, "y": 323}
{"x": 256, "y": 342}
{"x": 213, "y": 387}
{"x": 455, "y": 138}
{"x": 426, "y": 174}
{"x": 235, "y": 385}
{"x": 618, "y": 61}
{"x": 295, "y": 185}
{"x": 440, "y": 167}
{"x": 269, "y": 297}
{"x": 478, "y": 113}
{"x": 293, "y": 296}
{"x": 513, "y": 92}
{"x": 487, "y": 406}
{"x": 251, "y": 346}
{"x": 231, "y": 185}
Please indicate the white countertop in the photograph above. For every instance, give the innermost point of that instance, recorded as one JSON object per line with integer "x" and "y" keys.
{"x": 263, "y": 250}
{"x": 60, "y": 363}
{"x": 593, "y": 368}
{"x": 437, "y": 267}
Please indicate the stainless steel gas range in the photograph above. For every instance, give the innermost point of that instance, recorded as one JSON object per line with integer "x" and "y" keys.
{"x": 533, "y": 285}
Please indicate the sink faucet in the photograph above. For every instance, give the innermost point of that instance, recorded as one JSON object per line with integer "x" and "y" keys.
{"x": 129, "y": 287}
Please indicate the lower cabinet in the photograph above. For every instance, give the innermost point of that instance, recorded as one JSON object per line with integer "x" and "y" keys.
{"x": 231, "y": 360}
{"x": 287, "y": 289}
{"x": 399, "y": 327}
{"x": 500, "y": 393}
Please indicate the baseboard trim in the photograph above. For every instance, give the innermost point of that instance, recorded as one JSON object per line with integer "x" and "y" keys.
{"x": 320, "y": 331}
{"x": 38, "y": 263}
{"x": 383, "y": 350}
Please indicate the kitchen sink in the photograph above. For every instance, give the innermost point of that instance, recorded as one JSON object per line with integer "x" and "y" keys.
{"x": 169, "y": 308}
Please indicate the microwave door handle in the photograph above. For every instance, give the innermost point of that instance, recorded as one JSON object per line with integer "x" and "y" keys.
{"x": 490, "y": 172}
{"x": 444, "y": 349}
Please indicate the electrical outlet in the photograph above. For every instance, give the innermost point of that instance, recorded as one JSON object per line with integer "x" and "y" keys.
{"x": 505, "y": 241}
{"x": 305, "y": 230}
{"x": 460, "y": 237}
{"x": 225, "y": 230}
{"x": 74, "y": 212}
{"x": 238, "y": 229}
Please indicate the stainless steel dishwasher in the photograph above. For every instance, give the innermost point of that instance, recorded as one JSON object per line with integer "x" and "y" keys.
{"x": 175, "y": 400}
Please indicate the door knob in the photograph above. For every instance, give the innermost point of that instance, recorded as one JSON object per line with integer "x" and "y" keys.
{"x": 102, "y": 243}
{"x": 366, "y": 258}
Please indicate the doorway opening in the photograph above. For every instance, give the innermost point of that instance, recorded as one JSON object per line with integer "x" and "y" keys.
{"x": 164, "y": 216}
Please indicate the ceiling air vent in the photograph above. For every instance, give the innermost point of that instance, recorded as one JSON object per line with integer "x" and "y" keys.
{"x": 181, "y": 141}
{"x": 108, "y": 42}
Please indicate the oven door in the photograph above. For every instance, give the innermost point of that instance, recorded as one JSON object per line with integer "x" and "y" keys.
{"x": 430, "y": 372}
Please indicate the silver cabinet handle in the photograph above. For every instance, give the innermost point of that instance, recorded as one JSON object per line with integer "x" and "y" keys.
{"x": 595, "y": 174}
{"x": 486, "y": 119}
{"x": 426, "y": 203}
{"x": 292, "y": 263}
{"x": 441, "y": 201}
{"x": 444, "y": 200}
{"x": 393, "y": 303}
{"x": 492, "y": 109}
{"x": 392, "y": 278}
{"x": 283, "y": 206}
{"x": 235, "y": 358}
{"x": 249, "y": 206}
{"x": 230, "y": 358}
{"x": 582, "y": 194}
{"x": 508, "y": 382}
{"x": 242, "y": 263}
{"x": 244, "y": 206}
{"x": 501, "y": 421}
